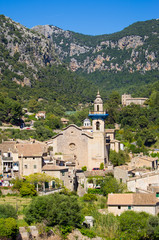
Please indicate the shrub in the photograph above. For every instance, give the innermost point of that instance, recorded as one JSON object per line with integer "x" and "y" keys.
{"x": 94, "y": 190}
{"x": 87, "y": 232}
{"x": 88, "y": 197}
{"x": 7, "y": 211}
{"x": 8, "y": 228}
{"x": 27, "y": 189}
{"x": 84, "y": 168}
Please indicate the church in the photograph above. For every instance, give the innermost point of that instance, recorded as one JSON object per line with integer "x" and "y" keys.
{"x": 84, "y": 146}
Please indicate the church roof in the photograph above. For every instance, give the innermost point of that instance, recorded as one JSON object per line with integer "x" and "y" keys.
{"x": 98, "y": 99}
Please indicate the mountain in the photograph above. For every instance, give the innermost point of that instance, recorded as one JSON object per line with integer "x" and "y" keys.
{"x": 125, "y": 61}
{"x": 30, "y": 68}
{"x": 133, "y": 49}
{"x": 67, "y": 67}
{"x": 23, "y": 52}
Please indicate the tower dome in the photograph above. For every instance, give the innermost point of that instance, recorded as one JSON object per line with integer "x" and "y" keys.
{"x": 98, "y": 99}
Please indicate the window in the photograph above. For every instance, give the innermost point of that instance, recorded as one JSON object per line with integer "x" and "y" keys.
{"x": 97, "y": 125}
{"x": 97, "y": 108}
{"x": 129, "y": 207}
{"x": 34, "y": 166}
{"x": 25, "y": 166}
{"x": 119, "y": 207}
{"x": 63, "y": 173}
{"x": 157, "y": 194}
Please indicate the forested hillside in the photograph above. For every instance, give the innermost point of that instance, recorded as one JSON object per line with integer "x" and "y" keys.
{"x": 123, "y": 61}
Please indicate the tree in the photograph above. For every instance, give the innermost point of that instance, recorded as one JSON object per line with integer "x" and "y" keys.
{"x": 55, "y": 209}
{"x": 101, "y": 166}
{"x": 7, "y": 211}
{"x": 42, "y": 178}
{"x": 111, "y": 185}
{"x": 8, "y": 228}
{"x": 27, "y": 189}
{"x": 119, "y": 158}
{"x": 133, "y": 225}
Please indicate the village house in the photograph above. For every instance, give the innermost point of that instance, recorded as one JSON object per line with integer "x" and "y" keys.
{"x": 40, "y": 115}
{"x": 143, "y": 181}
{"x": 64, "y": 121}
{"x": 120, "y": 202}
{"x": 30, "y": 156}
{"x": 123, "y": 173}
{"x": 61, "y": 172}
{"x": 144, "y": 161}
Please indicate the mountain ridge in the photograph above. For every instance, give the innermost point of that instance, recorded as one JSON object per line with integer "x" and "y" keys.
{"x": 90, "y": 53}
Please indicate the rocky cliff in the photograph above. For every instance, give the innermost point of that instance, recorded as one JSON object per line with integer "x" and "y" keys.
{"x": 133, "y": 49}
{"x": 23, "y": 52}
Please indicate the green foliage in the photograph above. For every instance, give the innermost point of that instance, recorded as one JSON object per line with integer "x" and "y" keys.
{"x": 84, "y": 168}
{"x": 119, "y": 158}
{"x": 101, "y": 166}
{"x": 10, "y": 110}
{"x": 56, "y": 209}
{"x": 17, "y": 183}
{"x": 87, "y": 232}
{"x": 133, "y": 225}
{"x": 7, "y": 211}
{"x": 111, "y": 185}
{"x": 95, "y": 191}
{"x": 106, "y": 225}
{"x": 88, "y": 197}
{"x": 27, "y": 189}
{"x": 8, "y": 228}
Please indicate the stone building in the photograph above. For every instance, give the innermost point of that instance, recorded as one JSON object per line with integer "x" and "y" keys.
{"x": 118, "y": 203}
{"x": 82, "y": 147}
{"x": 126, "y": 100}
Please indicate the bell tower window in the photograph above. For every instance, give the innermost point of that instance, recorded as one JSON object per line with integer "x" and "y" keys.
{"x": 97, "y": 125}
{"x": 97, "y": 108}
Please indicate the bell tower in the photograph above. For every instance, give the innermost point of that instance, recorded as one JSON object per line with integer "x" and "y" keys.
{"x": 98, "y": 116}
{"x": 98, "y": 144}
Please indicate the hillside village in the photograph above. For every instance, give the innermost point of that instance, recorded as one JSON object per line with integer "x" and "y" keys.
{"x": 74, "y": 148}
{"x": 77, "y": 162}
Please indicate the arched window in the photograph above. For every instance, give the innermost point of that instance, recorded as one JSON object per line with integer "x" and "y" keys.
{"x": 97, "y": 108}
{"x": 97, "y": 125}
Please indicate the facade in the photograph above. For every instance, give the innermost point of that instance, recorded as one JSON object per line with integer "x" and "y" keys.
{"x": 84, "y": 148}
{"x": 114, "y": 144}
{"x": 118, "y": 203}
{"x": 126, "y": 100}
{"x": 30, "y": 156}
{"x": 142, "y": 182}
{"x": 145, "y": 161}
{"x": 61, "y": 173}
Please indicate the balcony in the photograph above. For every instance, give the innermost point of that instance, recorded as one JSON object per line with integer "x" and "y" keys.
{"x": 7, "y": 158}
{"x": 97, "y": 112}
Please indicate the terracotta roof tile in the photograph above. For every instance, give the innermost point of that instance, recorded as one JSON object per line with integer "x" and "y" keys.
{"x": 141, "y": 199}
{"x": 34, "y": 149}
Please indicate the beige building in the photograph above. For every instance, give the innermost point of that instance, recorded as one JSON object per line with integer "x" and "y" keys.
{"x": 83, "y": 147}
{"x": 61, "y": 172}
{"x": 126, "y": 100}
{"x": 40, "y": 114}
{"x": 118, "y": 203}
{"x": 142, "y": 182}
{"x": 144, "y": 161}
{"x": 114, "y": 144}
{"x": 30, "y": 156}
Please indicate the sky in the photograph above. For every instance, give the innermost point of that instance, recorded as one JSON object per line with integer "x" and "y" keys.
{"x": 92, "y": 17}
